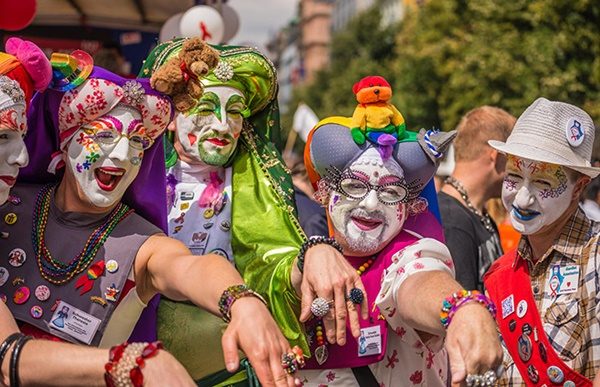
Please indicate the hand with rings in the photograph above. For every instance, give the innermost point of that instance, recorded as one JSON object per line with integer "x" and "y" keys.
{"x": 473, "y": 346}
{"x": 328, "y": 287}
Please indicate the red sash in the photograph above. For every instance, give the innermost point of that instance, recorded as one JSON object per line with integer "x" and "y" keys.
{"x": 509, "y": 286}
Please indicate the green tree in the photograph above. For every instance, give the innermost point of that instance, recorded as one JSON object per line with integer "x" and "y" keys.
{"x": 365, "y": 47}
{"x": 455, "y": 55}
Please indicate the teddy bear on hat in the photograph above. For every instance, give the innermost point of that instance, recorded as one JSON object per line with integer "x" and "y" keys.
{"x": 375, "y": 118}
{"x": 180, "y": 76}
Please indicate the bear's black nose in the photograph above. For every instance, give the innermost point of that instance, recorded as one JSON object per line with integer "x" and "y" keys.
{"x": 376, "y": 91}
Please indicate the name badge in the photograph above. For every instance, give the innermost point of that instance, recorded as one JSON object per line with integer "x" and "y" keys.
{"x": 563, "y": 280}
{"x": 74, "y": 322}
{"x": 369, "y": 341}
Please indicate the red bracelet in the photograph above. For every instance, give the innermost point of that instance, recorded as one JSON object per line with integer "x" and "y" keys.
{"x": 125, "y": 363}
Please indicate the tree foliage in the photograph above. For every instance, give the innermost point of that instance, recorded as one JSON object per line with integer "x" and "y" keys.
{"x": 450, "y": 56}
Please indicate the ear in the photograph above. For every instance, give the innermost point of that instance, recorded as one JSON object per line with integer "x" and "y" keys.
{"x": 172, "y": 127}
{"x": 580, "y": 185}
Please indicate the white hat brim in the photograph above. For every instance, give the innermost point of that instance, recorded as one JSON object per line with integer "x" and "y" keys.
{"x": 532, "y": 153}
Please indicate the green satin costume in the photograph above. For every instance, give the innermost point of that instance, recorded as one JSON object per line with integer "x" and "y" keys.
{"x": 265, "y": 233}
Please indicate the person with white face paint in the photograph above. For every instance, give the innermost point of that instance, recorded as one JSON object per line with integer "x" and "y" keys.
{"x": 381, "y": 209}
{"x": 93, "y": 289}
{"x": 548, "y": 287}
{"x": 25, "y": 68}
{"x": 228, "y": 192}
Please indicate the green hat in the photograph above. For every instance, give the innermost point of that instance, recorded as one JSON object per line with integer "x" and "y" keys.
{"x": 243, "y": 68}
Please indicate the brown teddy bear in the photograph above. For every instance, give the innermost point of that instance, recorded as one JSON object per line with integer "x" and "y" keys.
{"x": 180, "y": 76}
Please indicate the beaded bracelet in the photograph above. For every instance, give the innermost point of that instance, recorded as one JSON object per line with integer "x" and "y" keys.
{"x": 125, "y": 363}
{"x": 313, "y": 241}
{"x": 231, "y": 295}
{"x": 452, "y": 303}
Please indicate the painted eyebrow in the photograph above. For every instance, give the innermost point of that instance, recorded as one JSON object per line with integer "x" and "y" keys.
{"x": 209, "y": 96}
{"x": 109, "y": 120}
{"x": 235, "y": 99}
{"x": 360, "y": 174}
{"x": 389, "y": 179}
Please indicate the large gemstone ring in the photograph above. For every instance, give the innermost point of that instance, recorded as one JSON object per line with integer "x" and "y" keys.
{"x": 356, "y": 296}
{"x": 320, "y": 307}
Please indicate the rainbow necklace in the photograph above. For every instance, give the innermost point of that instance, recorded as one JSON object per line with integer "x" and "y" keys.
{"x": 56, "y": 271}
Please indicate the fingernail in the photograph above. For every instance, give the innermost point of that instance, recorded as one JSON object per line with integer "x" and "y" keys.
{"x": 231, "y": 366}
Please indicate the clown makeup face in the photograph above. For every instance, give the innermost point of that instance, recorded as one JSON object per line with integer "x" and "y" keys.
{"x": 535, "y": 193}
{"x": 368, "y": 208}
{"x": 13, "y": 154}
{"x": 209, "y": 132}
{"x": 105, "y": 156}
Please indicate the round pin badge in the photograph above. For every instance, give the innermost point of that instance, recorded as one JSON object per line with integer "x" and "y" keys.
{"x": 225, "y": 225}
{"x": 21, "y": 295}
{"x": 10, "y": 218}
{"x": 3, "y": 275}
{"x": 569, "y": 383}
{"x": 524, "y": 347}
{"x": 17, "y": 257}
{"x": 42, "y": 293}
{"x": 36, "y": 312}
{"x": 555, "y": 374}
{"x": 521, "y": 308}
{"x": 532, "y": 374}
{"x": 112, "y": 266}
{"x": 526, "y": 329}
{"x": 207, "y": 225}
{"x": 208, "y": 213}
{"x": 512, "y": 325}
{"x": 574, "y": 132}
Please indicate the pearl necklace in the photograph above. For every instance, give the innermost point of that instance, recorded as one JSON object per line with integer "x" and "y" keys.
{"x": 485, "y": 217}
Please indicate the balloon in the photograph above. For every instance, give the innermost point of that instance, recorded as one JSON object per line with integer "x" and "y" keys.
{"x": 231, "y": 20}
{"x": 202, "y": 21}
{"x": 16, "y": 15}
{"x": 170, "y": 29}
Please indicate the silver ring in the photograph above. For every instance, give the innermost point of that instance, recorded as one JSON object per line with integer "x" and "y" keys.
{"x": 320, "y": 307}
{"x": 488, "y": 379}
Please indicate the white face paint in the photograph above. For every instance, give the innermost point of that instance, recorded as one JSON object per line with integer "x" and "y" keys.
{"x": 13, "y": 154}
{"x": 209, "y": 132}
{"x": 105, "y": 156}
{"x": 536, "y": 194}
{"x": 365, "y": 226}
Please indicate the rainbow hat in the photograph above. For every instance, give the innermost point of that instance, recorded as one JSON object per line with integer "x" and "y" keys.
{"x": 70, "y": 70}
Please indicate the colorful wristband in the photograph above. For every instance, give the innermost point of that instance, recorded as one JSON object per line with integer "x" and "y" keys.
{"x": 452, "y": 303}
{"x": 231, "y": 295}
{"x": 313, "y": 241}
{"x": 125, "y": 363}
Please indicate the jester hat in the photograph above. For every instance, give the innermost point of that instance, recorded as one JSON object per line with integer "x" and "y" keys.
{"x": 330, "y": 148}
{"x": 79, "y": 94}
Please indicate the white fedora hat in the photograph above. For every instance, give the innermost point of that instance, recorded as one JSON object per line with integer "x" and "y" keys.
{"x": 553, "y": 132}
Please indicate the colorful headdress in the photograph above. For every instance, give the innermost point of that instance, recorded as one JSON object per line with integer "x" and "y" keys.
{"x": 57, "y": 114}
{"x": 70, "y": 71}
{"x": 330, "y": 148}
{"x": 28, "y": 67}
{"x": 243, "y": 68}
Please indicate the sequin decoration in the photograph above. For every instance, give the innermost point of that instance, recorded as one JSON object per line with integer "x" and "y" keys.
{"x": 12, "y": 89}
{"x": 223, "y": 71}
{"x": 133, "y": 92}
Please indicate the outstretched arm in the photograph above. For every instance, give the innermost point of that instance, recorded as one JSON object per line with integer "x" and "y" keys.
{"x": 52, "y": 363}
{"x": 164, "y": 265}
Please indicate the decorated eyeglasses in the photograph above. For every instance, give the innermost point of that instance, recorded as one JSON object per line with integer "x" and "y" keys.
{"x": 111, "y": 136}
{"x": 390, "y": 193}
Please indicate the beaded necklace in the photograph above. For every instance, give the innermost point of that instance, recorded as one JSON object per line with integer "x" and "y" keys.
{"x": 485, "y": 217}
{"x": 53, "y": 270}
